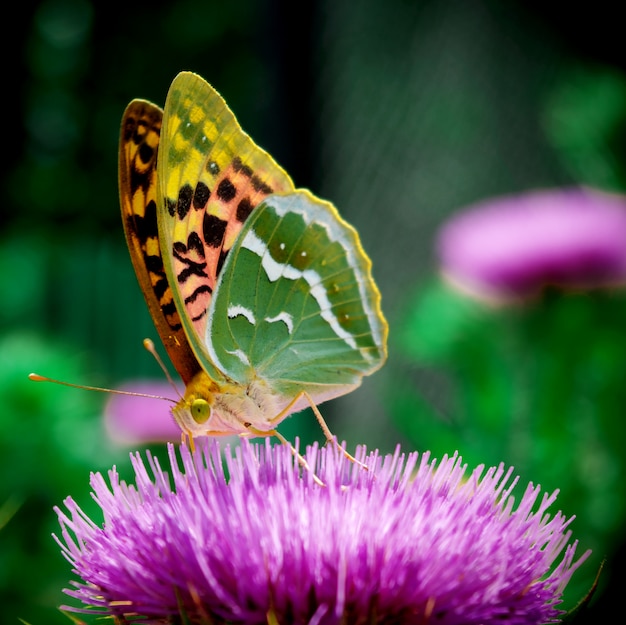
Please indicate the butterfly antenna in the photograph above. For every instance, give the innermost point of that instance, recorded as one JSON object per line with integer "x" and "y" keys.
{"x": 35, "y": 377}
{"x": 150, "y": 347}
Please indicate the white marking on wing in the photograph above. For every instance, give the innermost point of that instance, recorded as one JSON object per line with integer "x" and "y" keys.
{"x": 286, "y": 318}
{"x": 241, "y": 355}
{"x": 276, "y": 270}
{"x": 235, "y": 311}
{"x": 318, "y": 212}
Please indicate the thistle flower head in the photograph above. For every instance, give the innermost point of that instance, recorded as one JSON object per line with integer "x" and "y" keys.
{"x": 514, "y": 246}
{"x": 252, "y": 538}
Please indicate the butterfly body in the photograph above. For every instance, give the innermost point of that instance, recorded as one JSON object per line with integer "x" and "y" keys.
{"x": 261, "y": 293}
{"x": 227, "y": 408}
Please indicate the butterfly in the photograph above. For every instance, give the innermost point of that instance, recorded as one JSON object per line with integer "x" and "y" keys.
{"x": 261, "y": 293}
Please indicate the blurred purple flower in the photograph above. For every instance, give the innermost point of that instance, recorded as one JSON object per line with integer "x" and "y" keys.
{"x": 513, "y": 246}
{"x": 405, "y": 542}
{"x": 139, "y": 420}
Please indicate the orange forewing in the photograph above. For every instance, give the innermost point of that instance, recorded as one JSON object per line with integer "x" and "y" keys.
{"x": 139, "y": 142}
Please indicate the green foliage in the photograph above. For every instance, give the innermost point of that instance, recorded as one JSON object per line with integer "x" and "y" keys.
{"x": 540, "y": 387}
{"x": 585, "y": 120}
{"x": 50, "y": 439}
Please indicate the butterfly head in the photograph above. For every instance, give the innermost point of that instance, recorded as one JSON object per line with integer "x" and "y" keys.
{"x": 210, "y": 408}
{"x": 194, "y": 411}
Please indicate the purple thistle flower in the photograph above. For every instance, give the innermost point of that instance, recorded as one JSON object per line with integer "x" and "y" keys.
{"x": 409, "y": 541}
{"x": 514, "y": 246}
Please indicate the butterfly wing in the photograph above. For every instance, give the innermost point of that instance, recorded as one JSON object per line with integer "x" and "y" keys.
{"x": 139, "y": 143}
{"x": 296, "y": 303}
{"x": 212, "y": 176}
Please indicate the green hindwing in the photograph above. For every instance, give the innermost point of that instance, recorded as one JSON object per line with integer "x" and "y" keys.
{"x": 295, "y": 303}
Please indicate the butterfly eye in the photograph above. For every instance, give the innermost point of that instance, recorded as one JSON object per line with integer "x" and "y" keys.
{"x": 200, "y": 410}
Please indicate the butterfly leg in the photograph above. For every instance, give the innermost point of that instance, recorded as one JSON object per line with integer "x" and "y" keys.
{"x": 187, "y": 439}
{"x": 322, "y": 423}
{"x": 327, "y": 433}
{"x": 301, "y": 459}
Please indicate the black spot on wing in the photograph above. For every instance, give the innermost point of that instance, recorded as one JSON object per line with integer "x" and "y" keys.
{"x": 260, "y": 186}
{"x": 194, "y": 244}
{"x": 145, "y": 227}
{"x": 257, "y": 184}
{"x": 221, "y": 260}
{"x": 185, "y": 195}
{"x": 168, "y": 311}
{"x": 239, "y": 167}
{"x": 146, "y": 153}
{"x": 138, "y": 180}
{"x": 244, "y": 208}
{"x": 169, "y": 308}
{"x": 213, "y": 229}
{"x": 171, "y": 206}
{"x": 154, "y": 264}
{"x": 201, "y": 196}
{"x": 226, "y": 190}
{"x": 179, "y": 250}
{"x": 159, "y": 288}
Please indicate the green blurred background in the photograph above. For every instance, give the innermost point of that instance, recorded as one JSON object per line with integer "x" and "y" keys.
{"x": 398, "y": 112}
